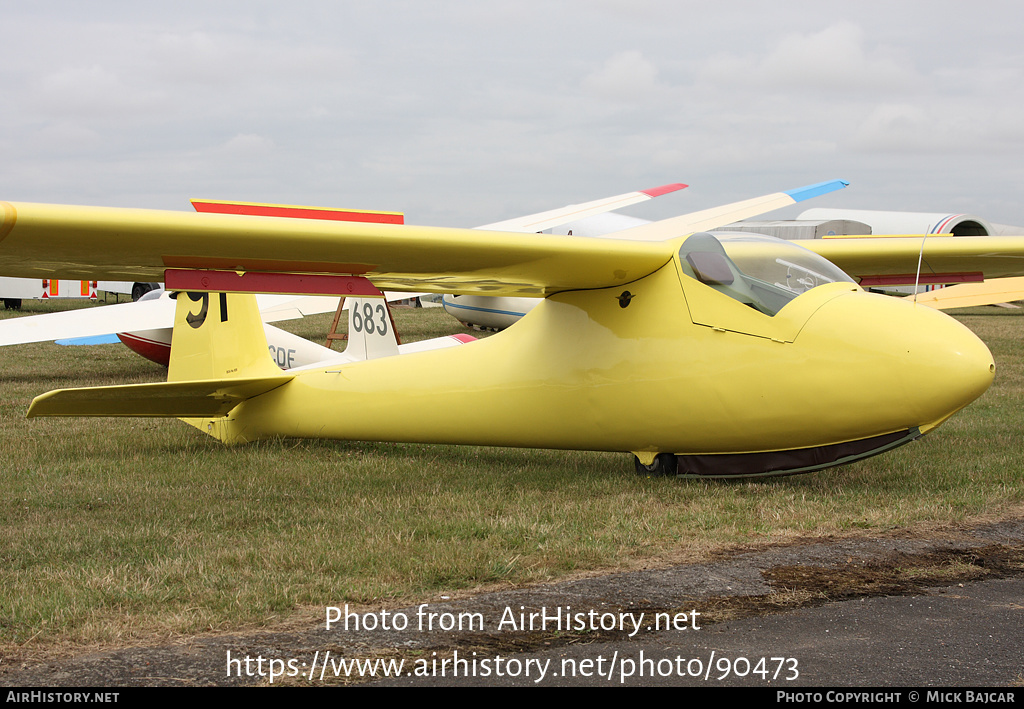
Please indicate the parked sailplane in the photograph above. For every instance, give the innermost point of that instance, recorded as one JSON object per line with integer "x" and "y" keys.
{"x": 700, "y": 354}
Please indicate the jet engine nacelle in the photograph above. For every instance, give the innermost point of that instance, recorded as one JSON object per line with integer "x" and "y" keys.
{"x": 908, "y": 222}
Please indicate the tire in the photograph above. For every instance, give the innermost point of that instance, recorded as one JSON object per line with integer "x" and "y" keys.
{"x": 140, "y": 289}
{"x": 12, "y": 303}
{"x": 664, "y": 465}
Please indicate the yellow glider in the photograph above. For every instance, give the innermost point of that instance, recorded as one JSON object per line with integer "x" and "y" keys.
{"x": 702, "y": 354}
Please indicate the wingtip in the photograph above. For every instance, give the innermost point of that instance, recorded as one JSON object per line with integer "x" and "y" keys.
{"x": 664, "y": 189}
{"x": 8, "y": 217}
{"x": 802, "y": 193}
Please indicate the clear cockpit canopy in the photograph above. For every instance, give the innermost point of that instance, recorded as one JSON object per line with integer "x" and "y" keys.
{"x": 760, "y": 271}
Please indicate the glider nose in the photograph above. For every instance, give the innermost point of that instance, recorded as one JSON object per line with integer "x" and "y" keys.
{"x": 955, "y": 367}
{"x": 947, "y": 366}
{"x": 905, "y": 365}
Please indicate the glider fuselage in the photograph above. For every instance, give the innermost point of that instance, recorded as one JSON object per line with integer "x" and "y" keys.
{"x": 665, "y": 365}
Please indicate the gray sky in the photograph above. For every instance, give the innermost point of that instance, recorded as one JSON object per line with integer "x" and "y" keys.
{"x": 462, "y": 113}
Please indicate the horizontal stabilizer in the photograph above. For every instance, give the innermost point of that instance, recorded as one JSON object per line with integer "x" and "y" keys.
{"x": 195, "y": 399}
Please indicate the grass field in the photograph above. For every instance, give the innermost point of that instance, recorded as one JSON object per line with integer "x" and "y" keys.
{"x": 115, "y": 531}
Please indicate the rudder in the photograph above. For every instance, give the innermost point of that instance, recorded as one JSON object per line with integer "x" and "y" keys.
{"x": 371, "y": 332}
{"x": 218, "y": 336}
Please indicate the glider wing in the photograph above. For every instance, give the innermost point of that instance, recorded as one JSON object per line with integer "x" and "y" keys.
{"x": 727, "y": 214}
{"x": 945, "y": 259}
{"x": 557, "y": 217}
{"x": 138, "y": 244}
{"x": 133, "y": 244}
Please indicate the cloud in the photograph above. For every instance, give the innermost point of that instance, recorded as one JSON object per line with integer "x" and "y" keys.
{"x": 92, "y": 90}
{"x": 833, "y": 59}
{"x": 952, "y": 129}
{"x": 248, "y": 145}
{"x": 626, "y": 76}
{"x": 462, "y": 114}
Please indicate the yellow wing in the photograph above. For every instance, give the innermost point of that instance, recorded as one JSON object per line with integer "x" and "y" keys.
{"x": 46, "y": 241}
{"x": 946, "y": 259}
{"x": 38, "y": 240}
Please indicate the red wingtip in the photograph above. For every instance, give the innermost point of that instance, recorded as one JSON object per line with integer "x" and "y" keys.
{"x": 664, "y": 189}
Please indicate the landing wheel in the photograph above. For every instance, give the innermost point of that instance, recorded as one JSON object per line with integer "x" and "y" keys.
{"x": 664, "y": 465}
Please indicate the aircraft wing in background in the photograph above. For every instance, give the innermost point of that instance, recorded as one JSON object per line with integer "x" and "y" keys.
{"x": 556, "y": 217}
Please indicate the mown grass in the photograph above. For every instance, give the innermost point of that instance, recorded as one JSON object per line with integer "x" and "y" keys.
{"x": 118, "y": 530}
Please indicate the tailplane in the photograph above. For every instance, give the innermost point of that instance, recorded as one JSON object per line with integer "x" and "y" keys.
{"x": 219, "y": 358}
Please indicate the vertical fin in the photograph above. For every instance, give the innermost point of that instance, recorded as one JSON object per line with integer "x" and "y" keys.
{"x": 371, "y": 334}
{"x": 218, "y": 336}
